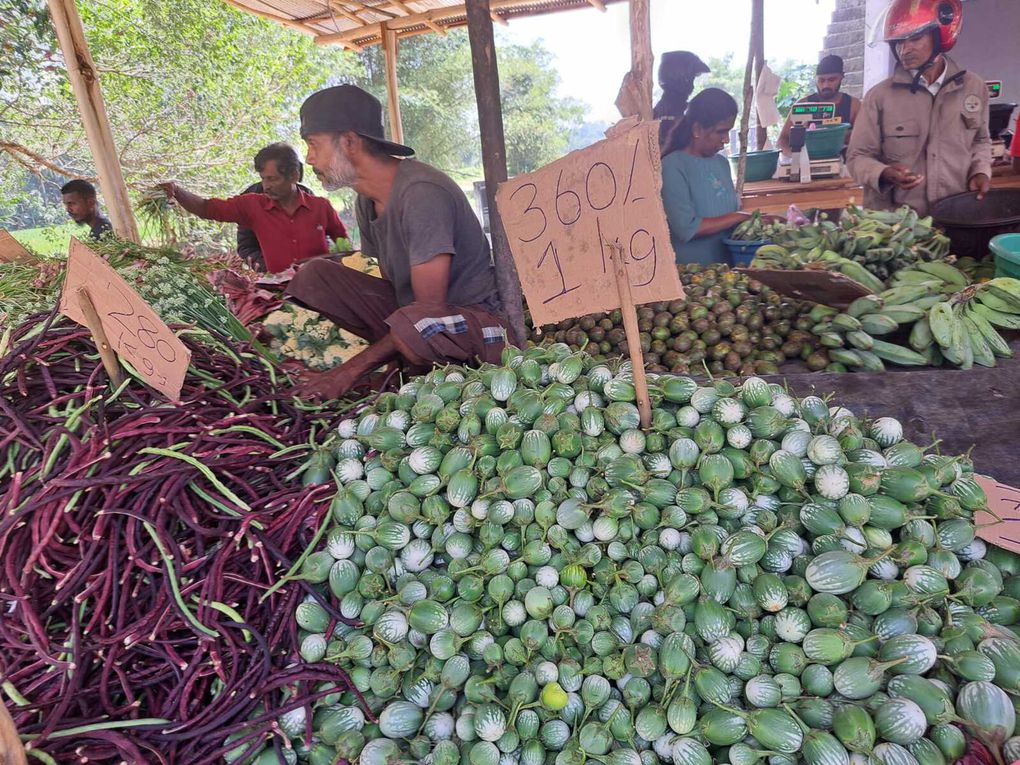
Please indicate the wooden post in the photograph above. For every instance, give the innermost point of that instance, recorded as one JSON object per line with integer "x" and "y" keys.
{"x": 95, "y": 325}
{"x": 490, "y": 123}
{"x": 81, "y": 71}
{"x": 641, "y": 58}
{"x": 758, "y": 26}
{"x": 757, "y": 30}
{"x": 390, "y": 46}
{"x": 630, "y": 327}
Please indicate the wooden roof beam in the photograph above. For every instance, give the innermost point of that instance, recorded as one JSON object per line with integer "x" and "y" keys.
{"x": 598, "y": 4}
{"x": 435, "y": 15}
{"x": 333, "y": 5}
{"x": 408, "y": 11}
{"x": 290, "y": 23}
{"x": 360, "y": 6}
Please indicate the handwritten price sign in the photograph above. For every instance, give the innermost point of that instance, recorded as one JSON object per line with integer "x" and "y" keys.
{"x": 562, "y": 221}
{"x": 11, "y": 250}
{"x": 135, "y": 332}
{"x": 1004, "y": 501}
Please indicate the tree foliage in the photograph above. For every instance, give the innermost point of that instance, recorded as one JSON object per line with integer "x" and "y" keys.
{"x": 535, "y": 133}
{"x": 798, "y": 80}
{"x": 194, "y": 88}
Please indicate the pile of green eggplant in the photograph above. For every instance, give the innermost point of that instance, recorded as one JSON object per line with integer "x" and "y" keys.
{"x": 755, "y": 577}
{"x": 727, "y": 323}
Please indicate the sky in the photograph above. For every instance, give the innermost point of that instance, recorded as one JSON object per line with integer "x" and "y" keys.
{"x": 592, "y": 48}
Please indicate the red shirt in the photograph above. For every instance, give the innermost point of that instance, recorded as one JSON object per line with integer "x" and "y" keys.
{"x": 1014, "y": 145}
{"x": 284, "y": 238}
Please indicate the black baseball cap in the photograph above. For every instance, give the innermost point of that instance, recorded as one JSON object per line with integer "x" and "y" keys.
{"x": 830, "y": 65}
{"x": 348, "y": 108}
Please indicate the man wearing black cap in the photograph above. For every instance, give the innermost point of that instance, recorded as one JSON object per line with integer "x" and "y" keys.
{"x": 437, "y": 300}
{"x": 829, "y": 79}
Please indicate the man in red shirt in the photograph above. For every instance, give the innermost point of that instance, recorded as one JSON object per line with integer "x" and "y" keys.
{"x": 1014, "y": 147}
{"x": 289, "y": 224}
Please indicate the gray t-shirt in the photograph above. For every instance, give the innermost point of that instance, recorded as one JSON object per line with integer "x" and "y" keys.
{"x": 428, "y": 215}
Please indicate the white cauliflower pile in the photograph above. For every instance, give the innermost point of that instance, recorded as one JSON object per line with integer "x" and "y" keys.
{"x": 298, "y": 333}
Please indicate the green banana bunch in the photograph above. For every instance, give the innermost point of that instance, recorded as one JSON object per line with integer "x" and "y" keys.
{"x": 750, "y": 230}
{"x": 869, "y": 246}
{"x": 948, "y": 320}
{"x": 964, "y": 326}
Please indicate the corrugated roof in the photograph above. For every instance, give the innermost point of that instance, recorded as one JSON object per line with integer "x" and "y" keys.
{"x": 358, "y": 23}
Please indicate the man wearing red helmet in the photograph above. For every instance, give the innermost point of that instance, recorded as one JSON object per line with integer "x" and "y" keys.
{"x": 922, "y": 134}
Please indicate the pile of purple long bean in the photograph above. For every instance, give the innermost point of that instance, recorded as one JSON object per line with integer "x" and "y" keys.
{"x": 139, "y": 542}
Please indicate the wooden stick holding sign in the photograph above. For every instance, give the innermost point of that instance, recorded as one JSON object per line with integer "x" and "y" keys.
{"x": 95, "y": 326}
{"x": 630, "y": 327}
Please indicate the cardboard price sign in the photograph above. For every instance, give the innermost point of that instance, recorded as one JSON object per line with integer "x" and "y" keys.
{"x": 562, "y": 221}
{"x": 135, "y": 331}
{"x": 825, "y": 287}
{"x": 11, "y": 250}
{"x": 1004, "y": 502}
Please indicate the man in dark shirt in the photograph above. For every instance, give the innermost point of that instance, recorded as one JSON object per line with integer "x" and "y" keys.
{"x": 829, "y": 80}
{"x": 83, "y": 207}
{"x": 677, "y": 72}
{"x": 437, "y": 300}
{"x": 267, "y": 166}
{"x": 290, "y": 225}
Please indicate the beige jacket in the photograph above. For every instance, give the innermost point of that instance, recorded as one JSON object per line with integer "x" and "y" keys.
{"x": 943, "y": 137}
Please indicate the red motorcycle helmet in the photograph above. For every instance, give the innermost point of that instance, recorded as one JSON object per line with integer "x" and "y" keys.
{"x": 908, "y": 18}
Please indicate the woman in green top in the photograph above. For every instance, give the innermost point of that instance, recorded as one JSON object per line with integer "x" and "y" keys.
{"x": 697, "y": 190}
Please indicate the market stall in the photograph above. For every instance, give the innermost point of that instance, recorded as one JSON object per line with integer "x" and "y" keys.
{"x": 555, "y": 560}
{"x": 503, "y": 562}
{"x": 493, "y": 562}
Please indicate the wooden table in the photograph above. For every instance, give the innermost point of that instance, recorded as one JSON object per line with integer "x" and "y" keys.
{"x": 976, "y": 408}
{"x": 1010, "y": 181}
{"x": 775, "y": 196}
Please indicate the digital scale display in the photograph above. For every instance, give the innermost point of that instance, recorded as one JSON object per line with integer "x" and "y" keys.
{"x": 994, "y": 88}
{"x": 817, "y": 113}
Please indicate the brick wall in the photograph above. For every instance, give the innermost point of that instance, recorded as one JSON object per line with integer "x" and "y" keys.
{"x": 846, "y": 38}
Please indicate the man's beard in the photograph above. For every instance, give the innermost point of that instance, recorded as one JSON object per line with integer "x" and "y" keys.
{"x": 828, "y": 93}
{"x": 339, "y": 175}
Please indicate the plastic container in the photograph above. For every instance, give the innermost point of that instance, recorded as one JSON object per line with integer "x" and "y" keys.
{"x": 1006, "y": 249}
{"x": 761, "y": 165}
{"x": 742, "y": 252}
{"x": 826, "y": 141}
{"x": 971, "y": 223}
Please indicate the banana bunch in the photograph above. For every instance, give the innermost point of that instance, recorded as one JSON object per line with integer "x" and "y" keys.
{"x": 964, "y": 327}
{"x": 880, "y": 242}
{"x": 948, "y": 319}
{"x": 776, "y": 256}
{"x": 854, "y": 338}
{"x": 751, "y": 230}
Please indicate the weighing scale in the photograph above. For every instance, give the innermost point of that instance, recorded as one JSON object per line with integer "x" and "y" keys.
{"x": 999, "y": 122}
{"x": 803, "y": 169}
